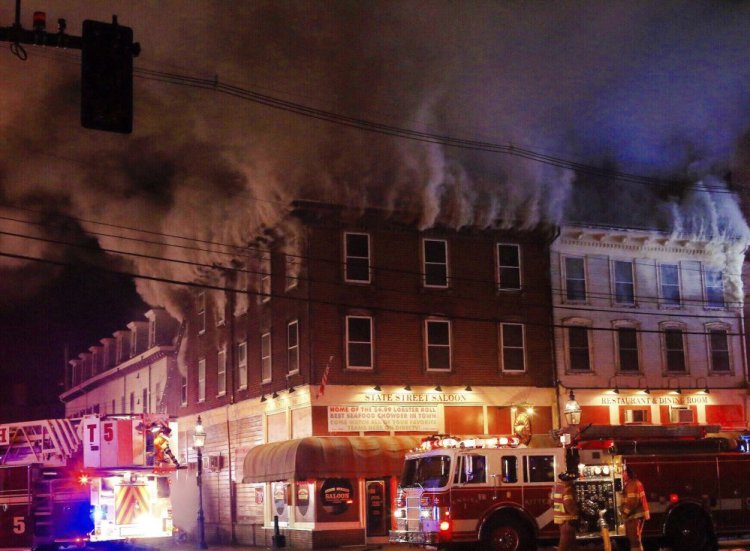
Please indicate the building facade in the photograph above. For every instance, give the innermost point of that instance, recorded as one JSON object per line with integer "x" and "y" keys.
{"x": 649, "y": 328}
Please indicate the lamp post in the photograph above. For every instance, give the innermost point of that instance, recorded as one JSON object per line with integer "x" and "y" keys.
{"x": 199, "y": 440}
{"x": 572, "y": 410}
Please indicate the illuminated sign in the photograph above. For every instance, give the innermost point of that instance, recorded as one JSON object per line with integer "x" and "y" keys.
{"x": 667, "y": 400}
{"x": 383, "y": 418}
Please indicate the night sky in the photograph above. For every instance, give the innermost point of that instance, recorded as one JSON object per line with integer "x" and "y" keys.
{"x": 660, "y": 90}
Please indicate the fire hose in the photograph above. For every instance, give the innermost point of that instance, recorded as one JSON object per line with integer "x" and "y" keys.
{"x": 604, "y": 529}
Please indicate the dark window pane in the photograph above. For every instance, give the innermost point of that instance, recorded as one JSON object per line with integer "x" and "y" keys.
{"x": 357, "y": 269}
{"x": 360, "y": 329}
{"x": 438, "y": 333}
{"x": 436, "y": 274}
{"x": 675, "y": 360}
{"x": 513, "y": 359}
{"x": 435, "y": 251}
{"x": 360, "y": 355}
{"x": 508, "y": 255}
{"x": 578, "y": 344}
{"x": 438, "y": 357}
{"x": 357, "y": 245}
{"x": 510, "y": 278}
{"x": 512, "y": 335}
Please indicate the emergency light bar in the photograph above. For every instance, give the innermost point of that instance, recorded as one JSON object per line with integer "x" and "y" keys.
{"x": 452, "y": 442}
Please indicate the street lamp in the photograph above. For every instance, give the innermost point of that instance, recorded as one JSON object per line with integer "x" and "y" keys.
{"x": 572, "y": 410}
{"x": 199, "y": 440}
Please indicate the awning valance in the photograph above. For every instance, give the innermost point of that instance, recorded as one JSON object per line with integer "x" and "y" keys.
{"x": 328, "y": 457}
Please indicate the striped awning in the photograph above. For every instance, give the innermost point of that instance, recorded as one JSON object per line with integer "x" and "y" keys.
{"x": 328, "y": 457}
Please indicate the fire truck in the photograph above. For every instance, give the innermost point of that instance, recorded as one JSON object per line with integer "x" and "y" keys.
{"x": 70, "y": 482}
{"x": 493, "y": 492}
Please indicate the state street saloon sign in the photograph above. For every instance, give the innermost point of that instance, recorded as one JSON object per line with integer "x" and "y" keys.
{"x": 336, "y": 495}
{"x": 386, "y": 417}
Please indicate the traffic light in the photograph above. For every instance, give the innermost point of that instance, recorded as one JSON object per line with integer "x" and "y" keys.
{"x": 107, "y": 76}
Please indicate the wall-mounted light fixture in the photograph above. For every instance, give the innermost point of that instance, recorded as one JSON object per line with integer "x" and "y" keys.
{"x": 275, "y": 395}
{"x": 377, "y": 388}
{"x": 468, "y": 389}
{"x": 704, "y": 389}
{"x": 438, "y": 388}
{"x": 407, "y": 388}
{"x": 572, "y": 410}
{"x": 263, "y": 398}
{"x": 292, "y": 389}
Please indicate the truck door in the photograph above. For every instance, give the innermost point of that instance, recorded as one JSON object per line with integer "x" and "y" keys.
{"x": 734, "y": 492}
{"x": 15, "y": 522}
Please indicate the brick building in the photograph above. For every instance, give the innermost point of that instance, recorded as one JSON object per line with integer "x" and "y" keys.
{"x": 366, "y": 329}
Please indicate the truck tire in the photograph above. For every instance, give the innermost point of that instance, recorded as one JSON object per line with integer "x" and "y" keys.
{"x": 688, "y": 529}
{"x": 504, "y": 533}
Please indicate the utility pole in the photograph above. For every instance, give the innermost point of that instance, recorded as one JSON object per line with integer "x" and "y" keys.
{"x": 107, "y": 52}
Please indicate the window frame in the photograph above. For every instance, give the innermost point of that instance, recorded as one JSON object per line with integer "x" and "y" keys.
{"x": 585, "y": 325}
{"x": 708, "y": 304}
{"x": 183, "y": 391}
{"x": 711, "y": 329}
{"x": 615, "y": 282}
{"x": 265, "y": 281}
{"x": 242, "y": 360}
{"x": 351, "y": 258}
{"x": 201, "y": 380}
{"x": 620, "y": 327}
{"x": 266, "y": 360}
{"x": 292, "y": 349}
{"x": 673, "y": 328}
{"x": 200, "y": 311}
{"x": 500, "y": 267}
{"x": 350, "y": 342}
{"x": 663, "y": 300}
{"x": 425, "y": 263}
{"x": 221, "y": 371}
{"x": 566, "y": 279}
{"x": 427, "y": 344}
{"x": 503, "y": 347}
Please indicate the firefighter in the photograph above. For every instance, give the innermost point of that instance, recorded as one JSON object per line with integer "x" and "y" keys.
{"x": 634, "y": 509}
{"x": 565, "y": 510}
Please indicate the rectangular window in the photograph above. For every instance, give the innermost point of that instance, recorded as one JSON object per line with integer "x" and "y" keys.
{"x": 512, "y": 344}
{"x": 202, "y": 380}
{"x": 265, "y": 357}
{"x": 575, "y": 278}
{"x": 292, "y": 347}
{"x": 669, "y": 274}
{"x": 122, "y": 403}
{"x": 144, "y": 400}
{"x": 674, "y": 347}
{"x": 221, "y": 372}
{"x": 158, "y": 406}
{"x": 113, "y": 406}
{"x": 681, "y": 414}
{"x": 151, "y": 333}
{"x": 201, "y": 311}
{"x": 719, "y": 349}
{"x": 578, "y": 348}
{"x": 539, "y": 468}
{"x": 627, "y": 343}
{"x": 359, "y": 342}
{"x": 435, "y": 269}
{"x": 242, "y": 365}
{"x": 509, "y": 464}
{"x": 438, "y": 341}
{"x": 291, "y": 265}
{"x": 508, "y": 267}
{"x": 357, "y": 257}
{"x": 183, "y": 390}
{"x": 132, "y": 403}
{"x": 624, "y": 286}
{"x": 714, "y": 288}
{"x": 265, "y": 276}
{"x": 636, "y": 416}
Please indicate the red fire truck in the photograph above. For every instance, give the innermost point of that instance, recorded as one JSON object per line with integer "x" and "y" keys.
{"x": 495, "y": 493}
{"x": 66, "y": 482}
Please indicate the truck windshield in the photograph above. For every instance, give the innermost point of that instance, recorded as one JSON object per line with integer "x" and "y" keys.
{"x": 429, "y": 472}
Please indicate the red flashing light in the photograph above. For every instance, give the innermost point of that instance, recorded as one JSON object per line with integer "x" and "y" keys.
{"x": 674, "y": 498}
{"x": 445, "y": 526}
{"x": 39, "y": 20}
{"x": 426, "y": 501}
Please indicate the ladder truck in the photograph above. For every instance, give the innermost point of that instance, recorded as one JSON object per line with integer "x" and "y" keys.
{"x": 76, "y": 482}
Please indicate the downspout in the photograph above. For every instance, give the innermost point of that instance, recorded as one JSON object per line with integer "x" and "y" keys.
{"x": 553, "y": 329}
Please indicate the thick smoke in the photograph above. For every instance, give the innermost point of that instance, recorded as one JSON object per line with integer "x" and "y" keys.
{"x": 657, "y": 89}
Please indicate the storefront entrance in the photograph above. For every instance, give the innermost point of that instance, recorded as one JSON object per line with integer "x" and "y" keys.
{"x": 377, "y": 509}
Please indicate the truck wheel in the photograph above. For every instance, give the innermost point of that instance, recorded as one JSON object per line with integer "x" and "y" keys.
{"x": 507, "y": 534}
{"x": 689, "y": 530}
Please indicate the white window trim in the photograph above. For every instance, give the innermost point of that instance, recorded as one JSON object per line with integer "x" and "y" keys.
{"x": 221, "y": 359}
{"x": 704, "y": 275}
{"x": 242, "y": 366}
{"x": 265, "y": 286}
{"x": 201, "y": 311}
{"x": 201, "y": 380}
{"x": 663, "y": 328}
{"x": 292, "y": 349}
{"x": 627, "y": 324}
{"x": 613, "y": 282}
{"x": 577, "y": 322}
{"x": 523, "y": 348}
{"x": 427, "y": 345}
{"x": 265, "y": 379}
{"x": 425, "y": 263}
{"x": 347, "y": 256}
{"x": 371, "y": 343}
{"x": 660, "y": 283}
{"x": 564, "y": 283}
{"x": 290, "y": 262}
{"x": 498, "y": 267}
{"x": 709, "y": 351}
